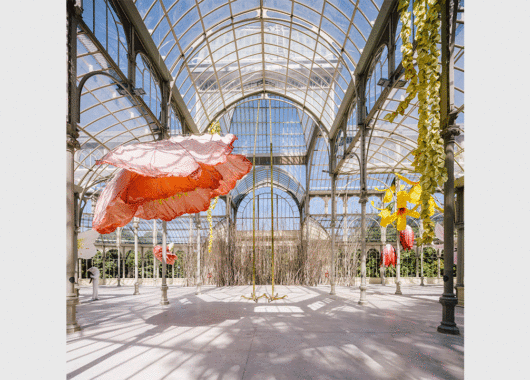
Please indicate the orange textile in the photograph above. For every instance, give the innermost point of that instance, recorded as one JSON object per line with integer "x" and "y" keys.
{"x": 170, "y": 257}
{"x": 168, "y": 178}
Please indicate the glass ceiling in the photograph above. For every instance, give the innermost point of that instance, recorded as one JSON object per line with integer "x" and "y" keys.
{"x": 281, "y": 179}
{"x": 219, "y": 52}
{"x": 223, "y": 56}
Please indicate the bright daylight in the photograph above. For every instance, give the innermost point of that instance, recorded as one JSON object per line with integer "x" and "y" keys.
{"x": 265, "y": 189}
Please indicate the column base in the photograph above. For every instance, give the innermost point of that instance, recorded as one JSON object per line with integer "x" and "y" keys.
{"x": 362, "y": 299}
{"x": 71, "y": 321}
{"x": 398, "y": 288}
{"x": 332, "y": 291}
{"x": 448, "y": 328}
{"x": 136, "y": 289}
{"x": 163, "y": 299}
{"x": 460, "y": 295}
{"x": 72, "y": 328}
{"x": 448, "y": 325}
{"x": 77, "y": 302}
{"x": 422, "y": 283}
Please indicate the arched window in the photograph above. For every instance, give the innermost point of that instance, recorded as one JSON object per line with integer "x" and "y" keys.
{"x": 146, "y": 80}
{"x": 379, "y": 70}
{"x": 101, "y": 19}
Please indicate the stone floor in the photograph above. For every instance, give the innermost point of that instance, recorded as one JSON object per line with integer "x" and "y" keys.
{"x": 308, "y": 335}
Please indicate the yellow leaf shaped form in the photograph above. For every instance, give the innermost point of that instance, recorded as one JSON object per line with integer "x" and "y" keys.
{"x": 414, "y": 194}
{"x": 433, "y": 206}
{"x": 401, "y": 216}
{"x": 406, "y": 179}
{"x": 386, "y": 217}
{"x": 402, "y": 198}
{"x": 401, "y": 222}
{"x": 389, "y": 193}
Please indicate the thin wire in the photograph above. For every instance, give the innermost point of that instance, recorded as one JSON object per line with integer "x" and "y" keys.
{"x": 254, "y": 207}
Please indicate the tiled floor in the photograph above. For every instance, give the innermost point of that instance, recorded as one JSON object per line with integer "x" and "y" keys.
{"x": 308, "y": 335}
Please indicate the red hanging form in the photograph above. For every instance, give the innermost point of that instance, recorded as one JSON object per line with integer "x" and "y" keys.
{"x": 389, "y": 256}
{"x": 406, "y": 237}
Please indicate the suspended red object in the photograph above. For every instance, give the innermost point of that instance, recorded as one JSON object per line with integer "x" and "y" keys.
{"x": 406, "y": 237}
{"x": 209, "y": 275}
{"x": 326, "y": 274}
{"x": 170, "y": 257}
{"x": 388, "y": 256}
{"x": 167, "y": 178}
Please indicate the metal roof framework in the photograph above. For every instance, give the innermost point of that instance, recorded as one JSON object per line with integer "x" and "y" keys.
{"x": 148, "y": 69}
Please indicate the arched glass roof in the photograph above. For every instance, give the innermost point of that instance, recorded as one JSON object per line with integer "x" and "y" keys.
{"x": 221, "y": 51}
{"x": 281, "y": 178}
{"x": 293, "y": 58}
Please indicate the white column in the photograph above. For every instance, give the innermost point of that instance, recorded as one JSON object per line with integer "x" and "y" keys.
{"x": 118, "y": 246}
{"x": 136, "y": 284}
{"x": 163, "y": 288}
{"x": 155, "y": 262}
{"x": 198, "y": 273}
{"x": 398, "y": 252}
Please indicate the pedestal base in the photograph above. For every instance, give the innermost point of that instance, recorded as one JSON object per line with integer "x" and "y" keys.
{"x": 163, "y": 299}
{"x": 362, "y": 299}
{"x": 332, "y": 292}
{"x": 398, "y": 288}
{"x": 136, "y": 289}
{"x": 448, "y": 325}
{"x": 77, "y": 302}
{"x": 71, "y": 321}
{"x": 460, "y": 295}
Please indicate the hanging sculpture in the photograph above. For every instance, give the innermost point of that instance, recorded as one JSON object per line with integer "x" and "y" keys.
{"x": 253, "y": 296}
{"x": 406, "y": 237}
{"x": 388, "y": 256}
{"x": 215, "y": 129}
{"x": 272, "y": 296}
{"x": 424, "y": 82}
{"x": 167, "y": 178}
{"x": 397, "y": 208}
{"x": 170, "y": 256}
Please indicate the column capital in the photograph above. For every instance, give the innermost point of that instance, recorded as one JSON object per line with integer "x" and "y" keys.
{"x": 450, "y": 132}
{"x": 364, "y": 197}
{"x": 71, "y": 142}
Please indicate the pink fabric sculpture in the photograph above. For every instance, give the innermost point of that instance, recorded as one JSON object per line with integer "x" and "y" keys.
{"x": 388, "y": 256}
{"x": 406, "y": 237}
{"x": 170, "y": 257}
{"x": 167, "y": 178}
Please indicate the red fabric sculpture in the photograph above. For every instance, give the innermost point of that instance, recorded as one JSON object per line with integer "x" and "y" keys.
{"x": 406, "y": 237}
{"x": 388, "y": 256}
{"x": 167, "y": 178}
{"x": 170, "y": 257}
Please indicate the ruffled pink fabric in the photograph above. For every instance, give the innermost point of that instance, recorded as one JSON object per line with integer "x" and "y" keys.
{"x": 206, "y": 158}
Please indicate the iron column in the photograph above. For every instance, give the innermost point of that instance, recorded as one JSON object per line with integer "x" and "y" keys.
{"x": 449, "y": 131}
{"x": 460, "y": 245}
{"x": 71, "y": 243}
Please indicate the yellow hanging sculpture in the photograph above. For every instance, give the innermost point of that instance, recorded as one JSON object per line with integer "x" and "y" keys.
{"x": 214, "y": 129}
{"x": 398, "y": 210}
